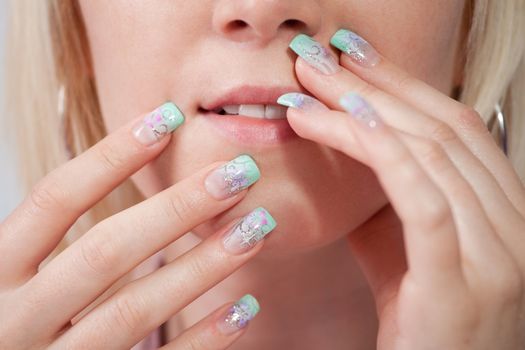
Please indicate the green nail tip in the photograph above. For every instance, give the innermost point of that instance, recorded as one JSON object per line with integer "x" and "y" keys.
{"x": 340, "y": 39}
{"x": 301, "y": 43}
{"x": 249, "y": 168}
{"x": 288, "y": 100}
{"x": 250, "y": 304}
{"x": 267, "y": 221}
{"x": 172, "y": 115}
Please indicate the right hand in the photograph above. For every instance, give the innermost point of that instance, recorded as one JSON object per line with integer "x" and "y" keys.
{"x": 37, "y": 306}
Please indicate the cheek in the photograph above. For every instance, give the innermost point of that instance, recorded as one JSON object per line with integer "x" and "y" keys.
{"x": 139, "y": 54}
{"x": 421, "y": 36}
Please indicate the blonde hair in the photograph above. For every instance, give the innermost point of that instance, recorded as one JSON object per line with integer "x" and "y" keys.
{"x": 48, "y": 49}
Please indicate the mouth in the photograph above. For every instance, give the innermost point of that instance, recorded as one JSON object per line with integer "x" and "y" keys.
{"x": 249, "y": 115}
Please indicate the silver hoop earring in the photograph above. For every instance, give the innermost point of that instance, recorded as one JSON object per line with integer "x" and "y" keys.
{"x": 498, "y": 121}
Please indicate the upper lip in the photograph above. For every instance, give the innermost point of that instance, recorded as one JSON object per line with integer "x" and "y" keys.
{"x": 248, "y": 94}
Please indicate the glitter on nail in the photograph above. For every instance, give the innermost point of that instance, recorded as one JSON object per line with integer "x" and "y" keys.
{"x": 360, "y": 109}
{"x": 251, "y": 229}
{"x": 357, "y": 48}
{"x": 242, "y": 311}
{"x": 240, "y": 173}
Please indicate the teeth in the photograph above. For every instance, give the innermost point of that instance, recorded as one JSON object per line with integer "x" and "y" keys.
{"x": 256, "y": 111}
{"x": 231, "y": 109}
{"x": 275, "y": 112}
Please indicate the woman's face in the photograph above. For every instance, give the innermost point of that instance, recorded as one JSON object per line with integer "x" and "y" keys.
{"x": 194, "y": 53}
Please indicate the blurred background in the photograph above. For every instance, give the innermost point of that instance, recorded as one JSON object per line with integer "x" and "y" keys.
{"x": 10, "y": 194}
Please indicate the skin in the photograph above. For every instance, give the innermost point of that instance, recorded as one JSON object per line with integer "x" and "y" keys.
{"x": 172, "y": 62}
{"x": 349, "y": 194}
{"x": 306, "y": 277}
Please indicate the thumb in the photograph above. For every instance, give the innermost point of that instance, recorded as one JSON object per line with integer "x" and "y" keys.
{"x": 379, "y": 250}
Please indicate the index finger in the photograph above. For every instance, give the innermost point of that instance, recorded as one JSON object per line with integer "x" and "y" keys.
{"x": 59, "y": 199}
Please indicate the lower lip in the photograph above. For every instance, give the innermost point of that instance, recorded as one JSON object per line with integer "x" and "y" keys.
{"x": 251, "y": 131}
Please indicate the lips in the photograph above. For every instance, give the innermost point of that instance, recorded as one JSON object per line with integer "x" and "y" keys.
{"x": 249, "y": 115}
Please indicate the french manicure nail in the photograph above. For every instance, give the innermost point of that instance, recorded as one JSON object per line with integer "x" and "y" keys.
{"x": 232, "y": 178}
{"x": 239, "y": 315}
{"x": 301, "y": 101}
{"x": 249, "y": 231}
{"x": 356, "y": 47}
{"x": 159, "y": 123}
{"x": 359, "y": 109}
{"x": 315, "y": 54}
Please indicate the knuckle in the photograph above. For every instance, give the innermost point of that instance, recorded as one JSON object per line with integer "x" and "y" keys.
{"x": 180, "y": 205}
{"x": 433, "y": 215}
{"x": 443, "y": 133}
{"x": 127, "y": 314}
{"x": 48, "y": 195}
{"x": 470, "y": 120}
{"x": 401, "y": 162}
{"x": 368, "y": 90}
{"x": 199, "y": 268}
{"x": 110, "y": 158}
{"x": 404, "y": 83}
{"x": 431, "y": 153}
{"x": 98, "y": 253}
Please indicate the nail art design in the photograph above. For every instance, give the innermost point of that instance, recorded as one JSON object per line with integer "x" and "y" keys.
{"x": 356, "y": 47}
{"x": 159, "y": 123}
{"x": 249, "y": 231}
{"x": 360, "y": 109}
{"x": 239, "y": 315}
{"x": 315, "y": 54}
{"x": 233, "y": 177}
{"x": 301, "y": 101}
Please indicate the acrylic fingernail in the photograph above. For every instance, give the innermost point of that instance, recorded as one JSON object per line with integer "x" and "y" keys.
{"x": 360, "y": 109}
{"x": 238, "y": 315}
{"x": 232, "y": 177}
{"x": 301, "y": 101}
{"x": 315, "y": 54}
{"x": 356, "y": 47}
{"x": 159, "y": 123}
{"x": 249, "y": 231}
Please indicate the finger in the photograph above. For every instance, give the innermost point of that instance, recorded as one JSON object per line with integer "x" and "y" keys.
{"x": 474, "y": 229}
{"x": 115, "y": 246}
{"x": 143, "y": 305}
{"x": 377, "y": 246}
{"x": 220, "y": 329}
{"x": 404, "y": 117}
{"x": 60, "y": 198}
{"x": 360, "y": 58}
{"x": 430, "y": 234}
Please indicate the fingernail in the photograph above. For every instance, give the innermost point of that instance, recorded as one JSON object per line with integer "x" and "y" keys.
{"x": 232, "y": 178}
{"x": 239, "y": 315}
{"x": 359, "y": 109}
{"x": 356, "y": 47}
{"x": 157, "y": 124}
{"x": 249, "y": 231}
{"x": 301, "y": 101}
{"x": 315, "y": 54}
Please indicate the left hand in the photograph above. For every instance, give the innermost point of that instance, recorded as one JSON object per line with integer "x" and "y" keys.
{"x": 460, "y": 203}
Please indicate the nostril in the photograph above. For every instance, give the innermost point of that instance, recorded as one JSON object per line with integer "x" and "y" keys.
{"x": 293, "y": 24}
{"x": 236, "y": 24}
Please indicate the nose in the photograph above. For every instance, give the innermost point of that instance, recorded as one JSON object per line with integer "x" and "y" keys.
{"x": 261, "y": 21}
